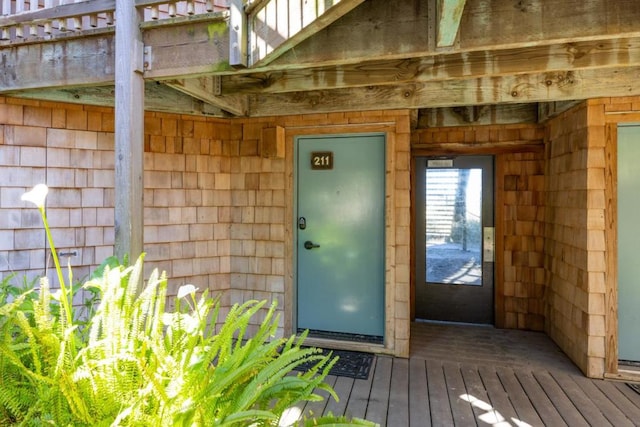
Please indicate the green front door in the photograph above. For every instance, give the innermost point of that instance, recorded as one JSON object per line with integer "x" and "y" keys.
{"x": 340, "y": 236}
{"x": 628, "y": 243}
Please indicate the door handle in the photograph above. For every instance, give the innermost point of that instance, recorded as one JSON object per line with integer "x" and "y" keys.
{"x": 310, "y": 245}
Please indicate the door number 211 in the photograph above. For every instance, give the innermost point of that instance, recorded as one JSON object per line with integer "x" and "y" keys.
{"x": 322, "y": 160}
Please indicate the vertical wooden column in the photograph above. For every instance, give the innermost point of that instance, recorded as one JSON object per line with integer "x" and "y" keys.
{"x": 129, "y": 124}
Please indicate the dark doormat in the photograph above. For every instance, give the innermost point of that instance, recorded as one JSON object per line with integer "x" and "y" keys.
{"x": 352, "y": 364}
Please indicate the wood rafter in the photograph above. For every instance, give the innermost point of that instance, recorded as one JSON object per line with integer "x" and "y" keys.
{"x": 526, "y": 88}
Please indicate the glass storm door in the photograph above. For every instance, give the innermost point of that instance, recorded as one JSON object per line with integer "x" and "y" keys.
{"x": 628, "y": 243}
{"x": 340, "y": 248}
{"x": 454, "y": 239}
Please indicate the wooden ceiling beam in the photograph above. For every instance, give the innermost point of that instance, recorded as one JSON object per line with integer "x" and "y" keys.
{"x": 591, "y": 54}
{"x": 526, "y": 88}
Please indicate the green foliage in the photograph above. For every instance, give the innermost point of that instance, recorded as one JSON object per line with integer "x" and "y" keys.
{"x": 133, "y": 362}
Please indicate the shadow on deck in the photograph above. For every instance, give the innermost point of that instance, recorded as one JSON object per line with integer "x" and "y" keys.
{"x": 479, "y": 376}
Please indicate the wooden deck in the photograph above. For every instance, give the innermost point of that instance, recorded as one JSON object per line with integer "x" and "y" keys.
{"x": 479, "y": 376}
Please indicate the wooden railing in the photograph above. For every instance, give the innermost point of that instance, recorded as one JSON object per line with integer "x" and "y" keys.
{"x": 25, "y": 20}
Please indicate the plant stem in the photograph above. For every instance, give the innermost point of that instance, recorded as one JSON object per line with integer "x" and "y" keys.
{"x": 63, "y": 289}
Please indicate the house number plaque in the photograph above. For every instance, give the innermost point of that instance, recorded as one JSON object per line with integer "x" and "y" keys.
{"x": 322, "y": 160}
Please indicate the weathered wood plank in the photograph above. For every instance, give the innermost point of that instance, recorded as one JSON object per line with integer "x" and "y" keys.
{"x": 342, "y": 387}
{"x": 491, "y": 90}
{"x": 379, "y": 398}
{"x": 559, "y": 399}
{"x": 85, "y": 61}
{"x": 419, "y": 406}
{"x": 398, "y": 413}
{"x": 460, "y": 408}
{"x": 359, "y": 397}
{"x": 521, "y": 403}
{"x": 502, "y": 408}
{"x": 196, "y": 49}
{"x": 608, "y": 408}
{"x": 157, "y": 98}
{"x": 477, "y": 396}
{"x": 600, "y": 53}
{"x": 203, "y": 88}
{"x": 438, "y": 395}
{"x": 449, "y": 16}
{"x": 633, "y": 398}
{"x": 613, "y": 392}
{"x": 379, "y": 30}
{"x": 547, "y": 412}
{"x": 477, "y": 115}
{"x": 588, "y": 408}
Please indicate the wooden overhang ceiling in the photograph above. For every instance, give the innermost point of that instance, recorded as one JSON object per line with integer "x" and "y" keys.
{"x": 472, "y": 58}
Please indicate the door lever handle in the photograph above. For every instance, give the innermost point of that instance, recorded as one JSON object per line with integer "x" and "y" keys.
{"x": 310, "y": 245}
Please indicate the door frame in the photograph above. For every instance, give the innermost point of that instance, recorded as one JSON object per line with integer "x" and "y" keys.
{"x": 295, "y": 253}
{"x": 397, "y": 312}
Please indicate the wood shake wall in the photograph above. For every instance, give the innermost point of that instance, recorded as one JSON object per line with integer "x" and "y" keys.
{"x": 219, "y": 208}
{"x": 218, "y": 199}
{"x": 575, "y": 238}
{"x": 519, "y": 215}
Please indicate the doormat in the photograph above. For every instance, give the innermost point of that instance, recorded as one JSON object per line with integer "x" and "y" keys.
{"x": 635, "y": 387}
{"x": 352, "y": 364}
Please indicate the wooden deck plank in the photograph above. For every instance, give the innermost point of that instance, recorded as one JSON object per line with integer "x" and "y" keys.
{"x": 426, "y": 390}
{"x": 398, "y": 412}
{"x": 620, "y": 399}
{"x": 359, "y": 397}
{"x": 563, "y": 404}
{"x": 478, "y": 397}
{"x": 419, "y": 408}
{"x": 521, "y": 403}
{"x": 460, "y": 408}
{"x": 342, "y": 387}
{"x": 609, "y": 410}
{"x": 548, "y": 413}
{"x": 586, "y": 406}
{"x": 379, "y": 399}
{"x": 316, "y": 409}
{"x": 498, "y": 397}
{"x": 438, "y": 395}
{"x": 633, "y": 397}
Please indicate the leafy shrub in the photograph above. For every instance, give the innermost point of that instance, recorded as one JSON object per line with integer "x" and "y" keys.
{"x": 132, "y": 362}
{"x": 142, "y": 365}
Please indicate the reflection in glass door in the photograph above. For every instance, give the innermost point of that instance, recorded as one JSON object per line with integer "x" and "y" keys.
{"x": 454, "y": 239}
{"x": 453, "y": 226}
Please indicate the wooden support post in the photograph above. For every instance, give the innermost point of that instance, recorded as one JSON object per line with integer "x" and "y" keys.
{"x": 129, "y": 142}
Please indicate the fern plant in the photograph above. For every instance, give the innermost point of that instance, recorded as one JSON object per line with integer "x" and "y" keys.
{"x": 132, "y": 362}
